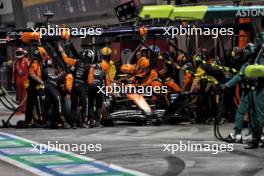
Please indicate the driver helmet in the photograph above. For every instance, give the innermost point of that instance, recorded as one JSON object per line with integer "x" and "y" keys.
{"x": 20, "y": 53}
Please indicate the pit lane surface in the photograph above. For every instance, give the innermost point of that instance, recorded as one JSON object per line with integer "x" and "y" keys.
{"x": 141, "y": 148}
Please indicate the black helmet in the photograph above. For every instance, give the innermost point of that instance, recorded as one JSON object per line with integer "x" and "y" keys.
{"x": 260, "y": 40}
{"x": 143, "y": 49}
{"x": 88, "y": 55}
{"x": 248, "y": 51}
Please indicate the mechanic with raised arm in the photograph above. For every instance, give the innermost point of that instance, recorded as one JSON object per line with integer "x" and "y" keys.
{"x": 82, "y": 74}
{"x": 53, "y": 78}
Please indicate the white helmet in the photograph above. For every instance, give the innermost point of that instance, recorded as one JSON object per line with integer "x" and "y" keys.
{"x": 20, "y": 52}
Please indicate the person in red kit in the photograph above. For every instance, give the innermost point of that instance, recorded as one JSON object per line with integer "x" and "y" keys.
{"x": 20, "y": 73}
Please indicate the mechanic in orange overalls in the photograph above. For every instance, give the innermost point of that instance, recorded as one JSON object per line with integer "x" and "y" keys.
{"x": 35, "y": 90}
{"x": 83, "y": 74}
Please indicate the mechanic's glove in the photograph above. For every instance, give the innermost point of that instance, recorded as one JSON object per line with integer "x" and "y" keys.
{"x": 223, "y": 86}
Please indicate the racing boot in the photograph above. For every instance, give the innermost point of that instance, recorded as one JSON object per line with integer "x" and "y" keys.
{"x": 237, "y": 138}
{"x": 66, "y": 125}
{"x": 74, "y": 126}
{"x": 92, "y": 123}
{"x": 247, "y": 137}
{"x": 43, "y": 125}
{"x": 84, "y": 123}
{"x": 63, "y": 123}
{"x": 98, "y": 117}
{"x": 29, "y": 125}
{"x": 261, "y": 145}
{"x": 98, "y": 125}
{"x": 252, "y": 145}
{"x": 50, "y": 125}
{"x": 41, "y": 122}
